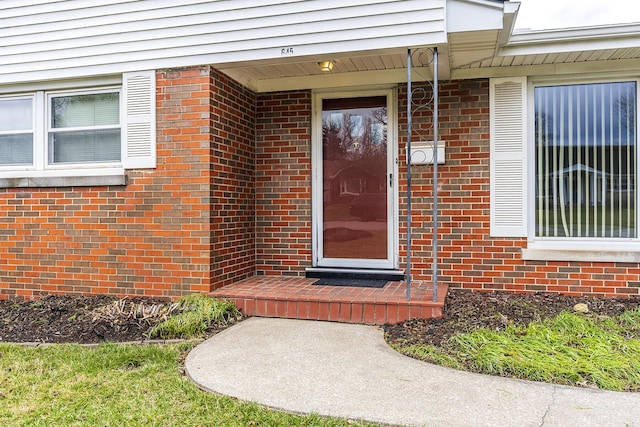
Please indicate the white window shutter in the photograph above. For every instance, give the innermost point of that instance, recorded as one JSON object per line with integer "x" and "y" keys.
{"x": 139, "y": 120}
{"x": 508, "y": 106}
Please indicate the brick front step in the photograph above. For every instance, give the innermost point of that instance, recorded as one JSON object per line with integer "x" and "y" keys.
{"x": 298, "y": 298}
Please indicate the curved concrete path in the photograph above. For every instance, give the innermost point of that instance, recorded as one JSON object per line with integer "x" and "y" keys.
{"x": 348, "y": 371}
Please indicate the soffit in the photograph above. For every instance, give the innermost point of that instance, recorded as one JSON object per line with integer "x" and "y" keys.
{"x": 362, "y": 68}
{"x": 464, "y": 55}
{"x": 562, "y": 51}
{"x": 352, "y": 69}
{"x": 559, "y": 58}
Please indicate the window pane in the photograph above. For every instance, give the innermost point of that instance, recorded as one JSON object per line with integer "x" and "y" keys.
{"x": 354, "y": 170}
{"x": 84, "y": 146}
{"x": 586, "y": 160}
{"x": 16, "y": 114}
{"x": 16, "y": 149}
{"x": 85, "y": 110}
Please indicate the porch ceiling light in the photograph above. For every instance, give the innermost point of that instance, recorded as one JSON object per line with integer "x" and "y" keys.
{"x": 326, "y": 66}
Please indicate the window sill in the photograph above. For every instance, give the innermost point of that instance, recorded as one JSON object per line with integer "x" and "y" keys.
{"x": 631, "y": 255}
{"x": 86, "y": 180}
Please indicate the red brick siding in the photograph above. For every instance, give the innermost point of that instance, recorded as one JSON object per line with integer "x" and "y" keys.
{"x": 468, "y": 257}
{"x": 283, "y": 183}
{"x": 233, "y": 206}
{"x": 231, "y": 196}
{"x": 183, "y": 227}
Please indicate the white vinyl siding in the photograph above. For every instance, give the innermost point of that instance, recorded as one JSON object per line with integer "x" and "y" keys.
{"x": 508, "y": 188}
{"x": 64, "y": 39}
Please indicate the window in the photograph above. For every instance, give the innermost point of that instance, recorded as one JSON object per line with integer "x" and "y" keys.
{"x": 585, "y": 161}
{"x": 78, "y": 135}
{"x": 84, "y": 128}
{"x": 564, "y": 168}
{"x": 16, "y": 131}
{"x": 81, "y": 128}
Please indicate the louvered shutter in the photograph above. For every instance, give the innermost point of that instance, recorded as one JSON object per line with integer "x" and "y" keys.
{"x": 139, "y": 120}
{"x": 508, "y": 102}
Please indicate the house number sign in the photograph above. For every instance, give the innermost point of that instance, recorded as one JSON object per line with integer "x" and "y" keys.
{"x": 286, "y": 51}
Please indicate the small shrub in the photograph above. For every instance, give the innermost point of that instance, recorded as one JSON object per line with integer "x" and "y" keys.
{"x": 198, "y": 313}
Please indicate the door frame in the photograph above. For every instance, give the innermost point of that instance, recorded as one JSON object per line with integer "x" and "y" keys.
{"x": 392, "y": 184}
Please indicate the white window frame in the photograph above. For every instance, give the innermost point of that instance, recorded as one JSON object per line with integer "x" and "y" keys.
{"x": 137, "y": 130}
{"x": 40, "y": 168}
{"x": 32, "y": 97}
{"x": 576, "y": 248}
{"x": 48, "y": 129}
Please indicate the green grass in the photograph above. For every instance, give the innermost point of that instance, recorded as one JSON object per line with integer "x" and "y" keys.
{"x": 119, "y": 385}
{"x": 571, "y": 349}
{"x": 199, "y": 312}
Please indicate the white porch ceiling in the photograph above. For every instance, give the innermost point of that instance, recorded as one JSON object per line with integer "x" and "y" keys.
{"x": 365, "y": 68}
{"x": 466, "y": 56}
{"x": 360, "y": 68}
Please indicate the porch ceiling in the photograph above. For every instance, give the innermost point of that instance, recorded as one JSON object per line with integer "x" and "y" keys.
{"x": 466, "y": 55}
{"x": 357, "y": 68}
{"x": 360, "y": 68}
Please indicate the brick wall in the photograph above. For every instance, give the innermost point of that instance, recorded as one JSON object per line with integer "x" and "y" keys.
{"x": 231, "y": 196}
{"x": 233, "y": 207}
{"x": 468, "y": 257}
{"x": 183, "y": 227}
{"x": 283, "y": 183}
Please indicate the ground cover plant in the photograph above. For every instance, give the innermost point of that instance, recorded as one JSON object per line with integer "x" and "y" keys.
{"x": 538, "y": 337}
{"x": 196, "y": 314}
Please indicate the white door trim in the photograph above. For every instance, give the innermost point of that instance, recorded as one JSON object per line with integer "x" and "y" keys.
{"x": 392, "y": 184}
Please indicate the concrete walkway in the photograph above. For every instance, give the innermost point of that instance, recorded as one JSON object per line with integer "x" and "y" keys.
{"x": 348, "y": 371}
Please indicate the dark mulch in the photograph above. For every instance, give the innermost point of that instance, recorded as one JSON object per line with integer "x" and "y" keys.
{"x": 80, "y": 319}
{"x": 467, "y": 311}
{"x": 93, "y": 319}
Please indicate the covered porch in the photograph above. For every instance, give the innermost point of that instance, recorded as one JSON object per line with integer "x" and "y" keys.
{"x": 296, "y": 213}
{"x": 299, "y": 298}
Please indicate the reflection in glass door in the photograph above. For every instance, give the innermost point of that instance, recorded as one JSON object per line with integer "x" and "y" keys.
{"x": 355, "y": 182}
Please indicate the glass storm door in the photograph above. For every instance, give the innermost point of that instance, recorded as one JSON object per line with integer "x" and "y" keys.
{"x": 355, "y": 211}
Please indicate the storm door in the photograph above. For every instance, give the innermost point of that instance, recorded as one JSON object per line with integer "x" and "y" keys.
{"x": 354, "y": 189}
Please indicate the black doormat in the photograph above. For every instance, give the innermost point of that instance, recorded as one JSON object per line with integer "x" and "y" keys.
{"x": 358, "y": 283}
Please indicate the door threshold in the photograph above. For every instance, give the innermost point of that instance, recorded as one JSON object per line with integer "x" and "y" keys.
{"x": 352, "y": 273}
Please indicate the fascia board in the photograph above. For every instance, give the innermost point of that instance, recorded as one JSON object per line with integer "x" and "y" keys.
{"x": 620, "y": 36}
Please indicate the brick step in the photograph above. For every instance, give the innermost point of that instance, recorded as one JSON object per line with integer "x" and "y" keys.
{"x": 298, "y": 298}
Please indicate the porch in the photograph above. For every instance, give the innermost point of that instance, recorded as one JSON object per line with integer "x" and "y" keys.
{"x": 299, "y": 298}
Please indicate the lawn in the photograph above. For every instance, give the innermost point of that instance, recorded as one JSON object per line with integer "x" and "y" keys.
{"x": 119, "y": 385}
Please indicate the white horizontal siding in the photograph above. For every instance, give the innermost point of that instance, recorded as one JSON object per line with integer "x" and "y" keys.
{"x": 65, "y": 39}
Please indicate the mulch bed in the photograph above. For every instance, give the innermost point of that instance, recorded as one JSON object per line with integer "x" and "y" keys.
{"x": 80, "y": 319}
{"x": 94, "y": 319}
{"x": 467, "y": 311}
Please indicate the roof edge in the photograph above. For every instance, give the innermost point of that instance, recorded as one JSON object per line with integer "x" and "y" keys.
{"x": 527, "y": 36}
{"x": 528, "y": 42}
